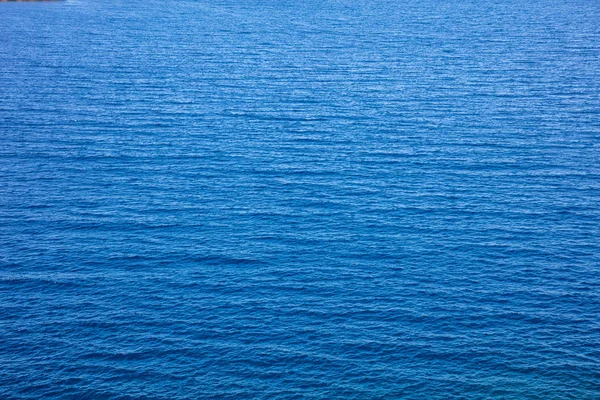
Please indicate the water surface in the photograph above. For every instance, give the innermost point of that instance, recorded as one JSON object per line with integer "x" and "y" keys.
{"x": 317, "y": 199}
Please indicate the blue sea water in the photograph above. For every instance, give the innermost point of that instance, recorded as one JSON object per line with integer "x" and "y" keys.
{"x": 272, "y": 199}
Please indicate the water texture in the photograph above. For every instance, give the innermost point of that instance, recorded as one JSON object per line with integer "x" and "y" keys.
{"x": 235, "y": 199}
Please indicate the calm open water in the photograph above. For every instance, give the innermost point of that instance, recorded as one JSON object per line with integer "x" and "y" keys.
{"x": 300, "y": 199}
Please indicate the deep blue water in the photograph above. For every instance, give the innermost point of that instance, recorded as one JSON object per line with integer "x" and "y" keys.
{"x": 300, "y": 199}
